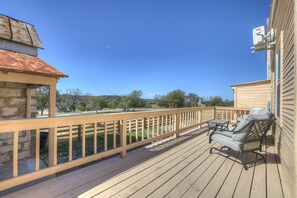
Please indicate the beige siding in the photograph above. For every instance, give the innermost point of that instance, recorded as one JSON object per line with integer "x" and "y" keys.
{"x": 252, "y": 94}
{"x": 282, "y": 19}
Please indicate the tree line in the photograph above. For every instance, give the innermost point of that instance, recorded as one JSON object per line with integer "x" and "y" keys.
{"x": 74, "y": 100}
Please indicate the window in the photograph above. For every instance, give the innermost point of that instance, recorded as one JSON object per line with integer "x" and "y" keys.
{"x": 278, "y": 83}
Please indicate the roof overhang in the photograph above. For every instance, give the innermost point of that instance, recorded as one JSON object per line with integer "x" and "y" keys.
{"x": 21, "y": 63}
{"x": 251, "y": 83}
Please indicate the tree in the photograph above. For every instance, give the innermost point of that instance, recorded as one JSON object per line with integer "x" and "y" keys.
{"x": 216, "y": 101}
{"x": 72, "y": 99}
{"x": 176, "y": 98}
{"x": 113, "y": 104}
{"x": 124, "y": 103}
{"x": 84, "y": 102}
{"x": 60, "y": 102}
{"x": 42, "y": 98}
{"x": 134, "y": 99}
{"x": 161, "y": 101}
{"x": 192, "y": 100}
{"x": 97, "y": 103}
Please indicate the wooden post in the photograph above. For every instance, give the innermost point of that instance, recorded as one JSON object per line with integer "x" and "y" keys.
{"x": 52, "y": 147}
{"x": 37, "y": 149}
{"x": 83, "y": 140}
{"x": 105, "y": 136}
{"x": 124, "y": 139}
{"x": 177, "y": 120}
{"x": 70, "y": 143}
{"x": 114, "y": 134}
{"x": 15, "y": 153}
{"x": 200, "y": 119}
{"x": 52, "y": 138}
{"x": 136, "y": 130}
{"x": 214, "y": 112}
{"x": 142, "y": 129}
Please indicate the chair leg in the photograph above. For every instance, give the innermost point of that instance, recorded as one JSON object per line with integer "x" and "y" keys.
{"x": 242, "y": 160}
{"x": 262, "y": 156}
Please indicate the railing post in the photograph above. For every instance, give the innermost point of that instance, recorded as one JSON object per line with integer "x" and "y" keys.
{"x": 200, "y": 119}
{"x": 177, "y": 121}
{"x": 235, "y": 115}
{"x": 214, "y": 112}
{"x": 52, "y": 148}
{"x": 52, "y": 133}
{"x": 124, "y": 139}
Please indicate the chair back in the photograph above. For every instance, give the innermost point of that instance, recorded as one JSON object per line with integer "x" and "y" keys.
{"x": 254, "y": 127}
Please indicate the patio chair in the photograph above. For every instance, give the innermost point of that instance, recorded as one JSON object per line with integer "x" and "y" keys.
{"x": 247, "y": 136}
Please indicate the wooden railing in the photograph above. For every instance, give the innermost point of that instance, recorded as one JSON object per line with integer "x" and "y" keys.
{"x": 99, "y": 136}
{"x": 230, "y": 113}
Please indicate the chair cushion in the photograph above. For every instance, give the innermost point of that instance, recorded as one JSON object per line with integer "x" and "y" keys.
{"x": 243, "y": 122}
{"x": 225, "y": 133}
{"x": 241, "y": 131}
{"x": 260, "y": 113}
{"x": 226, "y": 141}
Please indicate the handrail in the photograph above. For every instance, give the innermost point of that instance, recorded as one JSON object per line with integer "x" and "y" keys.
{"x": 25, "y": 124}
{"x": 133, "y": 129}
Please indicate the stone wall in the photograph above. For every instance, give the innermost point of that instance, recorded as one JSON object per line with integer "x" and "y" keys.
{"x": 13, "y": 104}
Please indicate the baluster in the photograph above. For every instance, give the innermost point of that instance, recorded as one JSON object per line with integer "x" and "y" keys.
{"x": 177, "y": 124}
{"x": 105, "y": 136}
{"x": 83, "y": 140}
{"x": 170, "y": 123}
{"x": 130, "y": 131}
{"x": 15, "y": 153}
{"x": 148, "y": 128}
{"x": 114, "y": 134}
{"x": 37, "y": 148}
{"x": 124, "y": 139}
{"x": 166, "y": 124}
{"x": 95, "y": 138}
{"x": 162, "y": 126}
{"x": 153, "y": 128}
{"x": 136, "y": 130}
{"x": 158, "y": 123}
{"x": 70, "y": 143}
{"x": 142, "y": 130}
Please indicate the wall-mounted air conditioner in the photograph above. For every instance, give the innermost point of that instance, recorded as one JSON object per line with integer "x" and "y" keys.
{"x": 262, "y": 41}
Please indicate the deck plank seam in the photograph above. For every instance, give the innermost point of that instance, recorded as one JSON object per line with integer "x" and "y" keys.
{"x": 184, "y": 167}
{"x": 147, "y": 157}
{"x": 278, "y": 171}
{"x": 227, "y": 157}
{"x": 182, "y": 179}
{"x": 205, "y": 145}
{"x": 226, "y": 177}
{"x": 246, "y": 156}
{"x": 201, "y": 176}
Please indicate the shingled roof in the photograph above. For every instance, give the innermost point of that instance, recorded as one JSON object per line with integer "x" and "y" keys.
{"x": 19, "y": 31}
{"x": 22, "y": 63}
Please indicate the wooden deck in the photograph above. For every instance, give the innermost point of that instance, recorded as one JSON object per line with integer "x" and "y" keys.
{"x": 181, "y": 167}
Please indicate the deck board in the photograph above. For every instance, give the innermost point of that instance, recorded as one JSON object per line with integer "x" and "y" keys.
{"x": 181, "y": 167}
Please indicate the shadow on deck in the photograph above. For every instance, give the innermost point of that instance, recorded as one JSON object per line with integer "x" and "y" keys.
{"x": 181, "y": 167}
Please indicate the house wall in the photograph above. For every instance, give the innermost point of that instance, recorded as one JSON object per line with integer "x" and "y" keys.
{"x": 13, "y": 104}
{"x": 282, "y": 20}
{"x": 250, "y": 95}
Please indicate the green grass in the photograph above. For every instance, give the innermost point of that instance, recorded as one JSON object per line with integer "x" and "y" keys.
{"x": 63, "y": 145}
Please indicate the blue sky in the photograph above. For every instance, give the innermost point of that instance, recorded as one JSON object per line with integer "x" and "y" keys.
{"x": 115, "y": 46}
